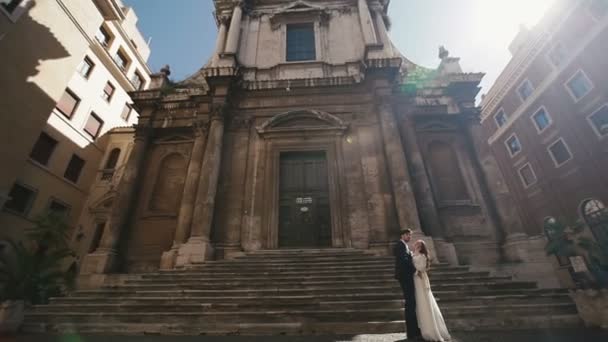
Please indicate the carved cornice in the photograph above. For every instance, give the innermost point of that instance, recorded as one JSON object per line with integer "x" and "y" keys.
{"x": 299, "y": 83}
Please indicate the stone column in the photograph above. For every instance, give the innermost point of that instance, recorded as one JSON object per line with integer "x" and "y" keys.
{"x": 103, "y": 259}
{"x": 184, "y": 219}
{"x": 367, "y": 25}
{"x": 422, "y": 184}
{"x": 198, "y": 248}
{"x": 403, "y": 194}
{"x": 383, "y": 33}
{"x": 235, "y": 30}
{"x": 427, "y": 208}
{"x": 220, "y": 40}
{"x": 407, "y": 212}
{"x": 232, "y": 194}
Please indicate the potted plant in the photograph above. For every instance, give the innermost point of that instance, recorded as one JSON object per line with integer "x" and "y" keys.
{"x": 591, "y": 297}
{"x": 32, "y": 271}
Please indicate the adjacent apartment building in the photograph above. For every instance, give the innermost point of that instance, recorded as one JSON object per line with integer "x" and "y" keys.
{"x": 546, "y": 117}
{"x": 69, "y": 148}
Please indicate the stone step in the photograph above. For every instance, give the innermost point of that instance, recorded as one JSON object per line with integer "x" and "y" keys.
{"x": 353, "y": 288}
{"x": 178, "y": 277}
{"x": 314, "y": 262}
{"x": 121, "y": 293}
{"x": 529, "y": 295}
{"x": 276, "y": 272}
{"x": 310, "y": 268}
{"x": 288, "y": 315}
{"x": 268, "y": 253}
{"x": 300, "y": 259}
{"x": 293, "y": 283}
{"x": 264, "y": 306}
{"x": 298, "y": 328}
{"x": 294, "y": 292}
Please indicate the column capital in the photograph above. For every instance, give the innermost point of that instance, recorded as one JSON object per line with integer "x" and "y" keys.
{"x": 218, "y": 112}
{"x": 200, "y": 127}
{"x": 142, "y": 131}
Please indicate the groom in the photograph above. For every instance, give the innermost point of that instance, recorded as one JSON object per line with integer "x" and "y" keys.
{"x": 404, "y": 272}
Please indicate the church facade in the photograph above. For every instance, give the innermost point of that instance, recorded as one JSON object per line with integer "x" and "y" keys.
{"x": 306, "y": 129}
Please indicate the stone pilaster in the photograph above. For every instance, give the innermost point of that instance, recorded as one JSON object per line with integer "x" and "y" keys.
{"x": 358, "y": 219}
{"x": 228, "y": 240}
{"x": 198, "y": 248}
{"x": 367, "y": 25}
{"x": 220, "y": 41}
{"x": 104, "y": 258}
{"x": 184, "y": 219}
{"x": 422, "y": 185}
{"x": 385, "y": 40}
{"x": 376, "y": 206}
{"x": 235, "y": 30}
{"x": 398, "y": 170}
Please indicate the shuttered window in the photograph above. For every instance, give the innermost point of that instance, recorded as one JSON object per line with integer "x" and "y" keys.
{"x": 67, "y": 103}
{"x": 74, "y": 169}
{"x": 93, "y": 125}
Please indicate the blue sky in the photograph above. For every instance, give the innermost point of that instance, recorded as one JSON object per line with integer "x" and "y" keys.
{"x": 478, "y": 31}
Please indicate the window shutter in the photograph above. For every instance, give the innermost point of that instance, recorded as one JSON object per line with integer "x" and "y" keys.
{"x": 93, "y": 125}
{"x": 67, "y": 103}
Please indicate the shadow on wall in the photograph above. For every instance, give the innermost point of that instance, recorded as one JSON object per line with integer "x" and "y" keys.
{"x": 24, "y": 106}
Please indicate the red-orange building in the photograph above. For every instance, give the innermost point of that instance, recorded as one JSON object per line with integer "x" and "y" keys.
{"x": 545, "y": 120}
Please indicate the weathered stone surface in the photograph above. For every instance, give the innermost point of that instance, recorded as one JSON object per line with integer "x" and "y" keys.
{"x": 297, "y": 292}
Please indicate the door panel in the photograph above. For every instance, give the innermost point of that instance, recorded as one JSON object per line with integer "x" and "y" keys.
{"x": 304, "y": 213}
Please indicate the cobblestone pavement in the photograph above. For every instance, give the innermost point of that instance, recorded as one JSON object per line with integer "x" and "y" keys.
{"x": 579, "y": 335}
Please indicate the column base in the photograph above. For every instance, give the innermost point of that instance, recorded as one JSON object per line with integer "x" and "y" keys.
{"x": 99, "y": 262}
{"x": 520, "y": 247}
{"x": 446, "y": 251}
{"x": 478, "y": 252}
{"x": 168, "y": 259}
{"x": 381, "y": 248}
{"x": 195, "y": 251}
{"x": 228, "y": 251}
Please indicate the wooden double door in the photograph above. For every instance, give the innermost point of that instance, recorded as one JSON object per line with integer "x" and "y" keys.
{"x": 304, "y": 210}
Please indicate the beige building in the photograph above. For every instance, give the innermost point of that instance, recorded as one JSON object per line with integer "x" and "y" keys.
{"x": 63, "y": 148}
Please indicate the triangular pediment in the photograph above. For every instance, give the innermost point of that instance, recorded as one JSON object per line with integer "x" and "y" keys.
{"x": 299, "y": 5}
{"x": 436, "y": 126}
{"x": 302, "y": 120}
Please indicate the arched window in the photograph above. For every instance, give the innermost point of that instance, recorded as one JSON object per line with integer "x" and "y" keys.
{"x": 169, "y": 184}
{"x": 446, "y": 174}
{"x": 595, "y": 215}
{"x": 112, "y": 159}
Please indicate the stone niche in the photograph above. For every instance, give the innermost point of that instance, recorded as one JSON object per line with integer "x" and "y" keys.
{"x": 155, "y": 221}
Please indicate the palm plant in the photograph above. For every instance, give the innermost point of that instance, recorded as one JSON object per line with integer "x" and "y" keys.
{"x": 33, "y": 270}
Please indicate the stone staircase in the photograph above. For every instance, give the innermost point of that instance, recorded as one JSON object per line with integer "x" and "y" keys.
{"x": 293, "y": 292}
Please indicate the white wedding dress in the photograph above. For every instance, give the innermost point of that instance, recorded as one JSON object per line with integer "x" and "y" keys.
{"x": 431, "y": 323}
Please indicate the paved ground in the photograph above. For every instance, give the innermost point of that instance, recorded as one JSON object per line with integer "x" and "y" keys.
{"x": 579, "y": 335}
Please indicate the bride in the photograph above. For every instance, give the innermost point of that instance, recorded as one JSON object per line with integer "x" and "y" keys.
{"x": 430, "y": 319}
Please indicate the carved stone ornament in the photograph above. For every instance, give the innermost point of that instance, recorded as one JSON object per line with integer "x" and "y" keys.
{"x": 240, "y": 122}
{"x": 200, "y": 127}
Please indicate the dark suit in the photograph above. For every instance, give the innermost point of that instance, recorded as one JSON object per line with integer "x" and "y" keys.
{"x": 404, "y": 272}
